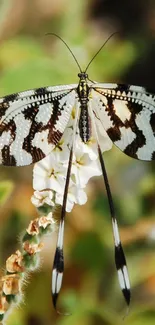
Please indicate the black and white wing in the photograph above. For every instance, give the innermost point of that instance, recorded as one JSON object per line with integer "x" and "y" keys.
{"x": 32, "y": 123}
{"x": 127, "y": 113}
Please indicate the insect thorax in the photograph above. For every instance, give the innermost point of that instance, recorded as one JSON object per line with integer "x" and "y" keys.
{"x": 84, "y": 120}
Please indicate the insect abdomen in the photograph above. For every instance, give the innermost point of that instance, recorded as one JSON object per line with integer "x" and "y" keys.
{"x": 84, "y": 123}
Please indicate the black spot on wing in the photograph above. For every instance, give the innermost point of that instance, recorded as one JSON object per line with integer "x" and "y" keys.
{"x": 7, "y": 159}
{"x": 134, "y": 108}
{"x": 153, "y": 156}
{"x": 41, "y": 91}
{"x": 35, "y": 152}
{"x": 114, "y": 133}
{"x": 138, "y": 142}
{"x": 131, "y": 150}
{"x": 31, "y": 112}
{"x": 119, "y": 257}
{"x": 122, "y": 87}
{"x": 127, "y": 295}
{"x": 54, "y": 136}
{"x": 110, "y": 108}
{"x": 5, "y": 104}
{"x": 11, "y": 126}
{"x": 152, "y": 122}
{"x": 120, "y": 263}
{"x": 3, "y": 108}
{"x": 54, "y": 298}
{"x": 59, "y": 260}
{"x": 11, "y": 98}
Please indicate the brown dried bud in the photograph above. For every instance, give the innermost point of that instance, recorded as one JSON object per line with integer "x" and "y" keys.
{"x": 31, "y": 248}
{"x": 4, "y": 305}
{"x": 44, "y": 221}
{"x": 14, "y": 263}
{"x": 11, "y": 284}
{"x": 33, "y": 228}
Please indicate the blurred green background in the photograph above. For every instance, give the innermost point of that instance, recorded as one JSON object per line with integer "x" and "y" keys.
{"x": 29, "y": 59}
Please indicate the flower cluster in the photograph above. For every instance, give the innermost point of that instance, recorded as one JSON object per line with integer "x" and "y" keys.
{"x": 21, "y": 262}
{"x": 49, "y": 174}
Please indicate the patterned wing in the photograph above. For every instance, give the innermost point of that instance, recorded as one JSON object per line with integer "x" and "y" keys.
{"x": 127, "y": 113}
{"x": 32, "y": 123}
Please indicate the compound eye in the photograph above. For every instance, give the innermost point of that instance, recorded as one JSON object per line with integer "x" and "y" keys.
{"x": 79, "y": 74}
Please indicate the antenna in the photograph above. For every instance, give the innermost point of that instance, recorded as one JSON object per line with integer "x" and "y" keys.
{"x": 100, "y": 50}
{"x": 68, "y": 49}
{"x": 53, "y": 34}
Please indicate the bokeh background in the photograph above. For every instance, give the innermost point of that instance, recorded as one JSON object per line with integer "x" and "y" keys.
{"x": 29, "y": 59}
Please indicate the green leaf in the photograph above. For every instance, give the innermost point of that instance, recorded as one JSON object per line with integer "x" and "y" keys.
{"x": 6, "y": 188}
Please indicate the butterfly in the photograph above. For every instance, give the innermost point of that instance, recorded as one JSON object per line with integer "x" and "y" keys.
{"x": 32, "y": 123}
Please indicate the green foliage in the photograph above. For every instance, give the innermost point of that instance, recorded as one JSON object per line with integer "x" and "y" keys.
{"x": 85, "y": 247}
{"x": 6, "y": 188}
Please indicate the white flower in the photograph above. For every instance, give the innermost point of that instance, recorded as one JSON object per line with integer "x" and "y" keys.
{"x": 49, "y": 173}
{"x": 59, "y": 201}
{"x": 83, "y": 167}
{"x": 40, "y": 198}
{"x": 75, "y": 195}
{"x": 81, "y": 196}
